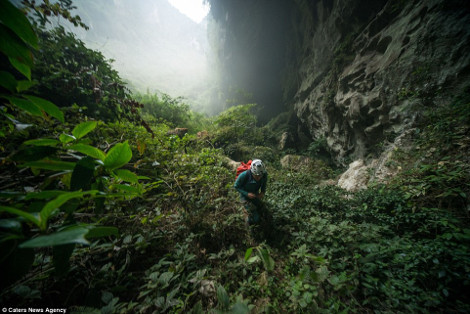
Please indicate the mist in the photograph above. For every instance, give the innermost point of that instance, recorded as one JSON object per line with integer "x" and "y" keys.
{"x": 155, "y": 48}
{"x": 224, "y": 60}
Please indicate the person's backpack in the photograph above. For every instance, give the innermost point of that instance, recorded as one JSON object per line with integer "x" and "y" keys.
{"x": 243, "y": 167}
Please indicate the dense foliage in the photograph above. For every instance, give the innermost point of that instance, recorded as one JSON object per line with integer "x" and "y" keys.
{"x": 108, "y": 217}
{"x": 73, "y": 74}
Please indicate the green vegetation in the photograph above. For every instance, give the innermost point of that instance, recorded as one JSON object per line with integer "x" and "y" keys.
{"x": 170, "y": 111}
{"x": 73, "y": 74}
{"x": 101, "y": 212}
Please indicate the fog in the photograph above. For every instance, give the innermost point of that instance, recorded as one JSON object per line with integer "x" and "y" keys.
{"x": 155, "y": 47}
{"x": 238, "y": 54}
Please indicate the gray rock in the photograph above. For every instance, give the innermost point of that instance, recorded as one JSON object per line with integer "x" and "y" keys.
{"x": 286, "y": 141}
{"x": 294, "y": 162}
{"x": 356, "y": 177}
{"x": 180, "y": 132}
{"x": 379, "y": 170}
{"x": 231, "y": 164}
{"x": 207, "y": 288}
{"x": 364, "y": 68}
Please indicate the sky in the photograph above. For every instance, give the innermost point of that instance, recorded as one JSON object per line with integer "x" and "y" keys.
{"x": 196, "y": 10}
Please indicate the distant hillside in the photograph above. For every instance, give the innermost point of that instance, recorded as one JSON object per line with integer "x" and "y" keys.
{"x": 154, "y": 46}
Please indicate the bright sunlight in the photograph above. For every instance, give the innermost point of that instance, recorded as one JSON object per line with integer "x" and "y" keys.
{"x": 196, "y": 10}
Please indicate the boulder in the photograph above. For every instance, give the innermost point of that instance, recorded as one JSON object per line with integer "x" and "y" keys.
{"x": 293, "y": 162}
{"x": 207, "y": 288}
{"x": 356, "y": 177}
{"x": 178, "y": 131}
{"x": 231, "y": 164}
{"x": 202, "y": 134}
{"x": 328, "y": 182}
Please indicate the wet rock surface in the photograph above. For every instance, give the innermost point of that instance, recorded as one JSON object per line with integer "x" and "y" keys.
{"x": 364, "y": 68}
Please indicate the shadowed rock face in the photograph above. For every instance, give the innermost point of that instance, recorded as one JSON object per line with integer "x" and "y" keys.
{"x": 356, "y": 72}
{"x": 363, "y": 68}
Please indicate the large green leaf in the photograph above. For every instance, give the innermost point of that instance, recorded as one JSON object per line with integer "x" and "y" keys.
{"x": 248, "y": 253}
{"x": 127, "y": 188}
{"x": 8, "y": 81}
{"x": 223, "y": 298}
{"x": 24, "y": 85}
{"x": 47, "y": 106}
{"x": 127, "y": 175}
{"x": 44, "y": 195}
{"x": 15, "y": 20}
{"x": 13, "y": 47}
{"x": 22, "y": 67}
{"x": 49, "y": 164}
{"x": 26, "y": 105}
{"x": 89, "y": 151}
{"x": 33, "y": 153}
{"x": 25, "y": 215}
{"x": 84, "y": 128}
{"x": 43, "y": 142}
{"x": 51, "y": 207}
{"x": 65, "y": 138}
{"x": 268, "y": 261}
{"x": 118, "y": 156}
{"x": 75, "y": 235}
{"x": 82, "y": 174}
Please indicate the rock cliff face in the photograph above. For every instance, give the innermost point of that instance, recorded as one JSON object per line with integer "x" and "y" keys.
{"x": 361, "y": 70}
{"x": 357, "y": 73}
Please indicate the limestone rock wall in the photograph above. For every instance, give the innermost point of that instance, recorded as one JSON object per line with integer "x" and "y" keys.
{"x": 361, "y": 70}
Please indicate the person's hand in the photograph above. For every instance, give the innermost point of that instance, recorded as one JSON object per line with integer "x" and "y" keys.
{"x": 251, "y": 195}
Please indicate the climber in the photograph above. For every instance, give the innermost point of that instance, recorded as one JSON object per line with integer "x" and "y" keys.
{"x": 251, "y": 185}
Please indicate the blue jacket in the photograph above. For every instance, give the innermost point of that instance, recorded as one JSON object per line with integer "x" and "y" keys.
{"x": 246, "y": 183}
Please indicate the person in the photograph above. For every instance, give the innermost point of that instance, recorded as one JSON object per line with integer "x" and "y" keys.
{"x": 251, "y": 184}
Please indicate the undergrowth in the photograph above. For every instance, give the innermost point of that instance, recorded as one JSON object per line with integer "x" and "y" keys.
{"x": 125, "y": 217}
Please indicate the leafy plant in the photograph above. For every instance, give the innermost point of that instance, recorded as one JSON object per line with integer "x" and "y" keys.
{"x": 43, "y": 11}
{"x": 79, "y": 177}
{"x": 18, "y": 41}
{"x": 39, "y": 210}
{"x": 71, "y": 73}
{"x": 69, "y": 185}
{"x": 166, "y": 109}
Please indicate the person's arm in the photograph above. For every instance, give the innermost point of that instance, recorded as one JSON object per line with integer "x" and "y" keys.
{"x": 264, "y": 183}
{"x": 240, "y": 184}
